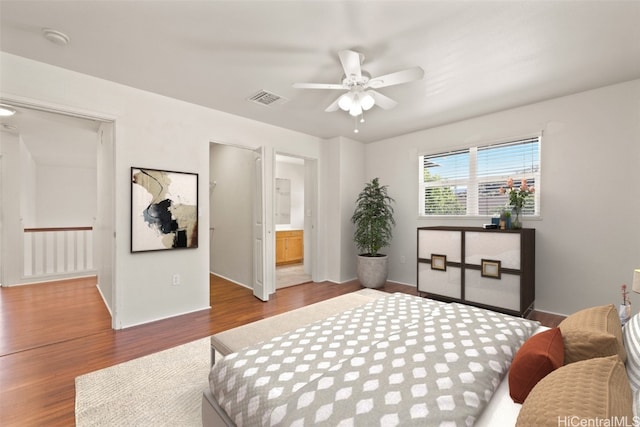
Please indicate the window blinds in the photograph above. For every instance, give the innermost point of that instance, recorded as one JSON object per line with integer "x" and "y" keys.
{"x": 467, "y": 182}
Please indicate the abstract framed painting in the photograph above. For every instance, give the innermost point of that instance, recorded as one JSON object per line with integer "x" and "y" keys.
{"x": 164, "y": 210}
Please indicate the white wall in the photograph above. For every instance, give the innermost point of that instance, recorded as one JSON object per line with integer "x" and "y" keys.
{"x": 345, "y": 178}
{"x": 156, "y": 132}
{"x": 330, "y": 233}
{"x": 65, "y": 196}
{"x": 28, "y": 177}
{"x": 352, "y": 181}
{"x": 585, "y": 248}
{"x": 11, "y": 238}
{"x": 230, "y": 205}
{"x": 40, "y": 196}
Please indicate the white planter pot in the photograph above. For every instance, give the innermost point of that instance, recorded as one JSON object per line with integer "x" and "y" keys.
{"x": 373, "y": 271}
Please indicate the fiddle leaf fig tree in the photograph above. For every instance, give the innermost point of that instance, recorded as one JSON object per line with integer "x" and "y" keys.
{"x": 373, "y": 218}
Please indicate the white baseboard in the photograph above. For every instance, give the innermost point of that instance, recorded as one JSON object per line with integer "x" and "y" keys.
{"x": 231, "y": 280}
{"x": 104, "y": 300}
{"x": 49, "y": 279}
{"x": 164, "y": 318}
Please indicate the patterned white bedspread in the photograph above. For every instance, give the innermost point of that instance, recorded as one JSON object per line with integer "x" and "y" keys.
{"x": 398, "y": 360}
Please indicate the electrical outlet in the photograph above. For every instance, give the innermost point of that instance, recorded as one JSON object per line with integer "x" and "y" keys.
{"x": 175, "y": 280}
{"x": 402, "y": 259}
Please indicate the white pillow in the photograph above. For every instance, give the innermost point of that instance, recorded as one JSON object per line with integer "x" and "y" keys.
{"x": 631, "y": 338}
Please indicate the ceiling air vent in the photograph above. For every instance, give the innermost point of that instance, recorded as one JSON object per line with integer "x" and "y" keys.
{"x": 267, "y": 98}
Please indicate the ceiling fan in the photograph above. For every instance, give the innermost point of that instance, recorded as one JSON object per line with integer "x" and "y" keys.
{"x": 361, "y": 95}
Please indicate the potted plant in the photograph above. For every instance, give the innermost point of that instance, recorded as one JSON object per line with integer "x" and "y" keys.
{"x": 505, "y": 219}
{"x": 373, "y": 218}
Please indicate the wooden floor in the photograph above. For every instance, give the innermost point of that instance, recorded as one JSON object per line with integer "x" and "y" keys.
{"x": 51, "y": 333}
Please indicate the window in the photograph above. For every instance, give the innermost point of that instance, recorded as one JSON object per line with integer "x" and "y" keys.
{"x": 467, "y": 182}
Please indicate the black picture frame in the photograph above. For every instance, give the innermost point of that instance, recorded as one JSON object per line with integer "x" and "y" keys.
{"x": 164, "y": 210}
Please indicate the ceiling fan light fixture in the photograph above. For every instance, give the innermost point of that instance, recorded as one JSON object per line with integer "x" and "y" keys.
{"x": 367, "y": 101}
{"x": 361, "y": 88}
{"x": 356, "y": 109}
{"x": 346, "y": 101}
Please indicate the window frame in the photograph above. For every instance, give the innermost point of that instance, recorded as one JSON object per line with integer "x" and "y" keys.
{"x": 473, "y": 181}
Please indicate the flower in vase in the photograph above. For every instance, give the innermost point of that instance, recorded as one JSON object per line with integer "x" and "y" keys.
{"x": 625, "y": 294}
{"x": 517, "y": 195}
{"x": 624, "y": 311}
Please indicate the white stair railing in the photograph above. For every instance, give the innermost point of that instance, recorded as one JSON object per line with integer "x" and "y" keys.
{"x": 58, "y": 252}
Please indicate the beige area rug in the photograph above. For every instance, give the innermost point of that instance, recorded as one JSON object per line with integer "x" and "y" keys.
{"x": 162, "y": 389}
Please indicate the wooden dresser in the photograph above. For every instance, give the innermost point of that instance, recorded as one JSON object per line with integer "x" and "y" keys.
{"x": 494, "y": 269}
{"x": 289, "y": 247}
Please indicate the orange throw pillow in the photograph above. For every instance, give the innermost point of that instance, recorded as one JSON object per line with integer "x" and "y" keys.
{"x": 539, "y": 355}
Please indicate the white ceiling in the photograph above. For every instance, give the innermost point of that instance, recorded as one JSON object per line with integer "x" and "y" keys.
{"x": 478, "y": 57}
{"x": 55, "y": 139}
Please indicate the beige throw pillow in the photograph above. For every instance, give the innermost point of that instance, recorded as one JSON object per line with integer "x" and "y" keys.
{"x": 580, "y": 392}
{"x": 592, "y": 332}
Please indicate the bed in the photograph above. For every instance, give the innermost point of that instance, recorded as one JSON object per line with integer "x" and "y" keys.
{"x": 396, "y": 360}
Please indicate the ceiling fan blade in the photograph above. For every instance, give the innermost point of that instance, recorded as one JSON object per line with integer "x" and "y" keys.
{"x": 334, "y": 105}
{"x": 351, "y": 61}
{"x": 382, "y": 101}
{"x": 318, "y": 86}
{"x": 399, "y": 77}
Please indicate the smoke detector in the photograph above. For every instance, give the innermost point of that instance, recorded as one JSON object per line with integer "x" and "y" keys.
{"x": 55, "y": 36}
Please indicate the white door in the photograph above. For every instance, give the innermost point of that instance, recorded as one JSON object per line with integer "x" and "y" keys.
{"x": 104, "y": 231}
{"x": 260, "y": 289}
{"x": 310, "y": 217}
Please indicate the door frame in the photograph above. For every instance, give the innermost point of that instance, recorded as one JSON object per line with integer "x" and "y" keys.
{"x": 266, "y": 271}
{"x": 311, "y": 261}
{"x": 108, "y": 228}
{"x": 259, "y": 227}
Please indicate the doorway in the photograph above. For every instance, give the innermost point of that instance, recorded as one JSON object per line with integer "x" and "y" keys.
{"x": 232, "y": 248}
{"x": 230, "y": 213}
{"x": 239, "y": 232}
{"x": 293, "y": 212}
{"x": 59, "y": 165}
